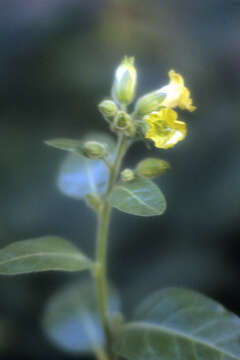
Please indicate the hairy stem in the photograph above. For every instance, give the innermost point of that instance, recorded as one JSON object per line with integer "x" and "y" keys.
{"x": 101, "y": 253}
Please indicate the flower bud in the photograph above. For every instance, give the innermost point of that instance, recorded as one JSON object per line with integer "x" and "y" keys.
{"x": 124, "y": 84}
{"x": 108, "y": 109}
{"x": 152, "y": 167}
{"x": 149, "y": 102}
{"x": 127, "y": 175}
{"x": 94, "y": 150}
{"x": 122, "y": 121}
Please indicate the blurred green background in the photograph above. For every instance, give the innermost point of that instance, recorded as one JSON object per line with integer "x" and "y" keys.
{"x": 56, "y": 64}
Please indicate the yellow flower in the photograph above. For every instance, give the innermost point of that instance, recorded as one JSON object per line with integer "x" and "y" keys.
{"x": 177, "y": 93}
{"x": 164, "y": 128}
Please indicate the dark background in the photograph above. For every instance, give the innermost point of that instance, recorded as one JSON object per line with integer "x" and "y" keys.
{"x": 57, "y": 59}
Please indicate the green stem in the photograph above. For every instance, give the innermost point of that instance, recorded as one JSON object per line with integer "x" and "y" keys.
{"x": 121, "y": 149}
{"x": 102, "y": 236}
{"x": 103, "y": 224}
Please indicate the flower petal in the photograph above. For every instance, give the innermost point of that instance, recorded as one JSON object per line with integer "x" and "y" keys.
{"x": 175, "y": 78}
{"x": 177, "y": 93}
{"x": 164, "y": 129}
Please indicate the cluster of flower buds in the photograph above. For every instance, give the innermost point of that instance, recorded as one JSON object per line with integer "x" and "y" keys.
{"x": 123, "y": 93}
{"x": 153, "y": 116}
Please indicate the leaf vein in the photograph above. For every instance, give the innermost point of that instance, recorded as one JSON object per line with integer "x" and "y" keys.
{"x": 183, "y": 335}
{"x": 138, "y": 199}
{"x": 22, "y": 257}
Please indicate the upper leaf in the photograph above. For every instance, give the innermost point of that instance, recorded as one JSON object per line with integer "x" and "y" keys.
{"x": 66, "y": 144}
{"x": 71, "y": 318}
{"x": 180, "y": 324}
{"x": 138, "y": 197}
{"x": 42, "y": 254}
{"x": 80, "y": 176}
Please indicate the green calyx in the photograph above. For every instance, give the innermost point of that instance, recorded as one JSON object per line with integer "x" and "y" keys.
{"x": 94, "y": 150}
{"x": 149, "y": 103}
{"x": 151, "y": 167}
{"x": 125, "y": 79}
{"x": 127, "y": 175}
{"x": 108, "y": 109}
{"x": 124, "y": 123}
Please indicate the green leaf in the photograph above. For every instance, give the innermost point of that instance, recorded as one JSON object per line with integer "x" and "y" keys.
{"x": 66, "y": 144}
{"x": 138, "y": 197}
{"x": 71, "y": 317}
{"x": 42, "y": 254}
{"x": 79, "y": 176}
{"x": 180, "y": 324}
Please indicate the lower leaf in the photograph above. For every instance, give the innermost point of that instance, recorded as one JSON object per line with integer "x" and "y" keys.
{"x": 180, "y": 324}
{"x": 71, "y": 318}
{"x": 42, "y": 254}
